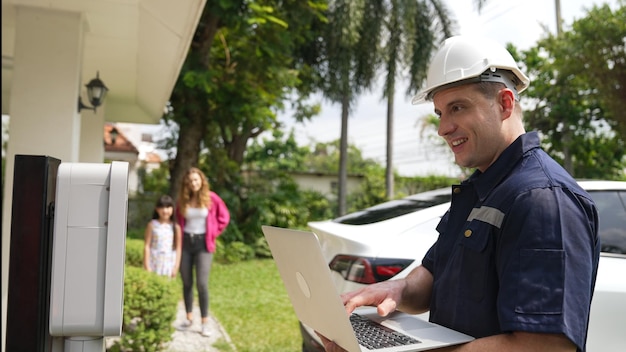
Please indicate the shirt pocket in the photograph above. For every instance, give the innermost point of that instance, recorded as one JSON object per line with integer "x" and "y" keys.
{"x": 476, "y": 260}
{"x": 540, "y": 287}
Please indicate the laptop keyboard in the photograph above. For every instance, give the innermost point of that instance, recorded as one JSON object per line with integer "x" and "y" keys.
{"x": 373, "y": 335}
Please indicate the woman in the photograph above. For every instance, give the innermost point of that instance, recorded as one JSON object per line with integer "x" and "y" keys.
{"x": 203, "y": 216}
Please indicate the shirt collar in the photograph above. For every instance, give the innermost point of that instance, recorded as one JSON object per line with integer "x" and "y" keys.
{"x": 485, "y": 182}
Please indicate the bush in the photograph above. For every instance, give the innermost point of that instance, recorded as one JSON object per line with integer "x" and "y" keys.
{"x": 233, "y": 252}
{"x": 137, "y": 234}
{"x": 134, "y": 252}
{"x": 262, "y": 248}
{"x": 150, "y": 306}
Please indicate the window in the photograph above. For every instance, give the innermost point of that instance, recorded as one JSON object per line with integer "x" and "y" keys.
{"x": 395, "y": 208}
{"x": 612, "y": 213}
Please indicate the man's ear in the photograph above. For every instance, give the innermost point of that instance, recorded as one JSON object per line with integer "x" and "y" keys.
{"x": 506, "y": 99}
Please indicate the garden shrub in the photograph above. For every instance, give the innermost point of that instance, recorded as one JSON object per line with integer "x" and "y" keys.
{"x": 134, "y": 252}
{"x": 137, "y": 234}
{"x": 233, "y": 252}
{"x": 150, "y": 307}
{"x": 262, "y": 248}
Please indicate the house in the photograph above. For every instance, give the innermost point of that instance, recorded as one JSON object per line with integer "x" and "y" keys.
{"x": 51, "y": 49}
{"x": 122, "y": 143}
{"x": 117, "y": 147}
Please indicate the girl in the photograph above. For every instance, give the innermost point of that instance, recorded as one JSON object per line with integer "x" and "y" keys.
{"x": 163, "y": 240}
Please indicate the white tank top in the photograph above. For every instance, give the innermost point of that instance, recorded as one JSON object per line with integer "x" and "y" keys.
{"x": 195, "y": 220}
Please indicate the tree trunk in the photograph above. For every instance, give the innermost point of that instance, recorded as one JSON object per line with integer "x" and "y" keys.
{"x": 187, "y": 151}
{"x": 389, "y": 171}
{"x": 192, "y": 123}
{"x": 343, "y": 157}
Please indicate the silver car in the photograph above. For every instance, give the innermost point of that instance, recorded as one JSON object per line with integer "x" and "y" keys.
{"x": 386, "y": 241}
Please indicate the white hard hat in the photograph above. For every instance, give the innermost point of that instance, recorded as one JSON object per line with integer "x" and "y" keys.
{"x": 471, "y": 59}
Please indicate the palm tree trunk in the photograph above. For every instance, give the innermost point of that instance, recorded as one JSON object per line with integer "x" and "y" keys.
{"x": 343, "y": 157}
{"x": 389, "y": 181}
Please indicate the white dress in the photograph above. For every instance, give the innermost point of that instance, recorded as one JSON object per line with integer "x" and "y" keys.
{"x": 162, "y": 253}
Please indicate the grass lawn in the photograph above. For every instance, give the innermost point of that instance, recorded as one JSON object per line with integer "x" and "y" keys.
{"x": 250, "y": 301}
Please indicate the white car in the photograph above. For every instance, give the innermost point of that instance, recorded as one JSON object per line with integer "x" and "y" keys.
{"x": 386, "y": 241}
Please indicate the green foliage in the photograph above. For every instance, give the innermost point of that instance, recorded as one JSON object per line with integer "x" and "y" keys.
{"x": 250, "y": 301}
{"x": 412, "y": 185}
{"x": 262, "y": 248}
{"x": 372, "y": 189}
{"x": 351, "y": 40}
{"x": 278, "y": 202}
{"x": 578, "y": 127}
{"x": 244, "y": 64}
{"x": 278, "y": 153}
{"x": 135, "y": 233}
{"x": 320, "y": 208}
{"x": 325, "y": 158}
{"x": 156, "y": 182}
{"x": 599, "y": 56}
{"x": 150, "y": 305}
{"x": 134, "y": 252}
{"x": 267, "y": 195}
{"x": 235, "y": 252}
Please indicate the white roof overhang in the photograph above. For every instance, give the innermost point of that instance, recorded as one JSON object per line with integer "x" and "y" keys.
{"x": 137, "y": 46}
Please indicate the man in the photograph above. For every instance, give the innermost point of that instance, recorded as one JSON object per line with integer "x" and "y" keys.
{"x": 517, "y": 255}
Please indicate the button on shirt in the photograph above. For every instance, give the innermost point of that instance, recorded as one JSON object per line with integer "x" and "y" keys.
{"x": 517, "y": 250}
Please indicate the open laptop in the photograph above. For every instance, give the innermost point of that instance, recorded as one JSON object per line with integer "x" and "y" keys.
{"x": 317, "y": 304}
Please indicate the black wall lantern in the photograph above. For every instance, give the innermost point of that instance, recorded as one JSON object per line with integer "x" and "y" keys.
{"x": 96, "y": 91}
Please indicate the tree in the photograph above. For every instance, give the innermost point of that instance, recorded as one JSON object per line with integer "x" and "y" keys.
{"x": 413, "y": 29}
{"x": 599, "y": 56}
{"x": 270, "y": 195}
{"x": 350, "y": 48}
{"x": 565, "y": 102}
{"x": 230, "y": 88}
{"x": 188, "y": 104}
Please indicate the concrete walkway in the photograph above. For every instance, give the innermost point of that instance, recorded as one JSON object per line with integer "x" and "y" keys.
{"x": 191, "y": 340}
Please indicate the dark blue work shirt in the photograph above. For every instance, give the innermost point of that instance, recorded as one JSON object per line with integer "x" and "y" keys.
{"x": 518, "y": 250}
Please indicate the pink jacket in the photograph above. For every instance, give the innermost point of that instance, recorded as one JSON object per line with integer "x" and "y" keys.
{"x": 216, "y": 221}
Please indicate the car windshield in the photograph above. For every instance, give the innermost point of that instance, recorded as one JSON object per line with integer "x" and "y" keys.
{"x": 612, "y": 212}
{"x": 394, "y": 208}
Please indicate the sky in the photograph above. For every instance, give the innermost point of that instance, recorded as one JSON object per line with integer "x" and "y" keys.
{"x": 416, "y": 153}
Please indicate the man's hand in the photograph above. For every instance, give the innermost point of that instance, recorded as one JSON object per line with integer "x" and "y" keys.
{"x": 388, "y": 297}
{"x": 410, "y": 295}
{"x": 385, "y": 296}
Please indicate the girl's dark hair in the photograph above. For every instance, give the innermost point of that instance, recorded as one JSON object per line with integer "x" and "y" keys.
{"x": 164, "y": 201}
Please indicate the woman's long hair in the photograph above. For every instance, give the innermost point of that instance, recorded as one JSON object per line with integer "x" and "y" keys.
{"x": 186, "y": 194}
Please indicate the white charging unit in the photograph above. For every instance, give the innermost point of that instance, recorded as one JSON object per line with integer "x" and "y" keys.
{"x": 87, "y": 284}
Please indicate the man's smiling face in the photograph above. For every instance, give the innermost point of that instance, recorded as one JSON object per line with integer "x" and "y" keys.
{"x": 471, "y": 124}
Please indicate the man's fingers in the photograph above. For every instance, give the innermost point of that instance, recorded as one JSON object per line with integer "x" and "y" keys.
{"x": 387, "y": 306}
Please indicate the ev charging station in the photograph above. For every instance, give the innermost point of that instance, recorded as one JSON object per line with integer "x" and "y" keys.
{"x": 87, "y": 280}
